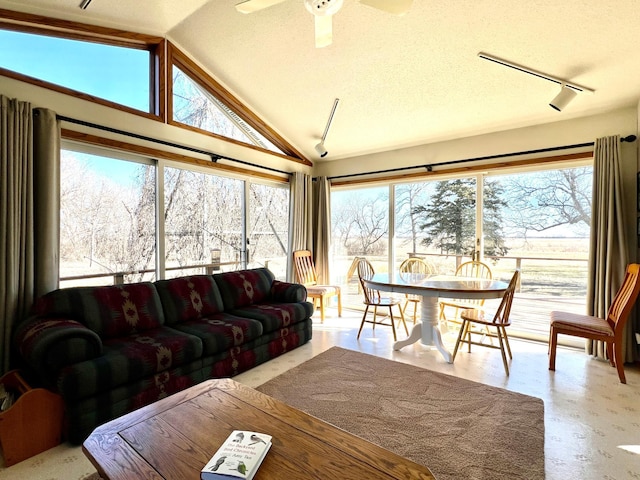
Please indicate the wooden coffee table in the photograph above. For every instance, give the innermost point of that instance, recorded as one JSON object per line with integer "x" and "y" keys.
{"x": 176, "y": 436}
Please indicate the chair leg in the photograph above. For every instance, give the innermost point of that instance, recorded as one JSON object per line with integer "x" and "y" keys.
{"x": 506, "y": 341}
{"x": 322, "y": 309}
{"x": 504, "y": 356}
{"x": 455, "y": 350}
{"x": 362, "y": 323}
{"x": 375, "y": 316}
{"x": 610, "y": 354}
{"x": 339, "y": 303}
{"x": 393, "y": 323}
{"x": 402, "y": 318}
{"x": 553, "y": 343}
{"x": 619, "y": 362}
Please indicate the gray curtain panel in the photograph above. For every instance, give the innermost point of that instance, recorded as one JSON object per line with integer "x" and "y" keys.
{"x": 29, "y": 184}
{"x": 608, "y": 253}
{"x": 322, "y": 228}
{"x": 301, "y": 217}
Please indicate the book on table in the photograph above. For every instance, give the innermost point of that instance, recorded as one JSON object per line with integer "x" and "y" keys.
{"x": 238, "y": 457}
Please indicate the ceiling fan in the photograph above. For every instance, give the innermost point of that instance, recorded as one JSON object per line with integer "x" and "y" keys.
{"x": 323, "y": 10}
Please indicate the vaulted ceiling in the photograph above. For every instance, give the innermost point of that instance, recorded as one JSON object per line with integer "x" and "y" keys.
{"x": 401, "y": 80}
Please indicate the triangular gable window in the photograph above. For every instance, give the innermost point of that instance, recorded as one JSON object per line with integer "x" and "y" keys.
{"x": 198, "y": 102}
{"x": 193, "y": 105}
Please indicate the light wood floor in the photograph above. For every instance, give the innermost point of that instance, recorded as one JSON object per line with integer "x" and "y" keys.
{"x": 592, "y": 421}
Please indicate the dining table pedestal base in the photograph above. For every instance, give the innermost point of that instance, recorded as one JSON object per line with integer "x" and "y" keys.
{"x": 427, "y": 331}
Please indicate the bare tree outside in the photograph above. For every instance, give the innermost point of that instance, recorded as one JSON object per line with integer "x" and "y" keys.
{"x": 360, "y": 222}
{"x": 202, "y": 212}
{"x": 269, "y": 227}
{"x": 107, "y": 221}
{"x": 542, "y": 202}
{"x": 408, "y": 197}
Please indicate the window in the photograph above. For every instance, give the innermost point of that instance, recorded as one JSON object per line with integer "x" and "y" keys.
{"x": 203, "y": 219}
{"x": 195, "y": 106}
{"x": 200, "y": 103}
{"x": 107, "y": 220}
{"x": 436, "y": 220}
{"x": 117, "y": 74}
{"x": 268, "y": 231}
{"x": 536, "y": 221}
{"x": 109, "y": 232}
{"x": 359, "y": 228}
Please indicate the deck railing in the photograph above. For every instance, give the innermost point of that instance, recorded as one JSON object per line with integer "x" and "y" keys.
{"x": 118, "y": 278}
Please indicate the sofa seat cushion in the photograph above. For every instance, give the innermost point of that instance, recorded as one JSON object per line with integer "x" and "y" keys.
{"x": 275, "y": 316}
{"x": 111, "y": 311}
{"x": 221, "y": 331}
{"x": 127, "y": 359}
{"x": 189, "y": 298}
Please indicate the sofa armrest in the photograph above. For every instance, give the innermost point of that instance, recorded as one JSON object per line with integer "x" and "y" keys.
{"x": 48, "y": 344}
{"x": 288, "y": 292}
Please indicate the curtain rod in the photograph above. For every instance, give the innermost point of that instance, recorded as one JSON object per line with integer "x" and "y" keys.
{"x": 429, "y": 166}
{"x": 214, "y": 156}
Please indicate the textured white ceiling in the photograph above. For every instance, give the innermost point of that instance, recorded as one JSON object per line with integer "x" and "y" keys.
{"x": 402, "y": 81}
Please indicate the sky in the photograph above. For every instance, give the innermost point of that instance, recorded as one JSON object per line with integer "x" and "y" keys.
{"x": 114, "y": 73}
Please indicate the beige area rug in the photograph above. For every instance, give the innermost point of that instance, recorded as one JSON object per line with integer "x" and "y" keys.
{"x": 457, "y": 428}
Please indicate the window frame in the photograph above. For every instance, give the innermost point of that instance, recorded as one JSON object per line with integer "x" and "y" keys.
{"x": 51, "y": 27}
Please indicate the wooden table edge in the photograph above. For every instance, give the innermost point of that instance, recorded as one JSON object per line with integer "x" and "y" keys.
{"x": 103, "y": 437}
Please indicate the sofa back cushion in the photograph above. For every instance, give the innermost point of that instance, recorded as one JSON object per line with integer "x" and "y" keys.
{"x": 189, "y": 298}
{"x": 244, "y": 287}
{"x": 112, "y": 311}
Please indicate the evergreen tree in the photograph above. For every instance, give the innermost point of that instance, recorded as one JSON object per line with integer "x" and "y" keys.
{"x": 492, "y": 219}
{"x": 448, "y": 220}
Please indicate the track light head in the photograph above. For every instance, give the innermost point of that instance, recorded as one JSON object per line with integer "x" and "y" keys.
{"x": 321, "y": 150}
{"x": 563, "y": 98}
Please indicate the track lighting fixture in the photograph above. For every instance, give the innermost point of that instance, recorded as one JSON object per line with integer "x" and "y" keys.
{"x": 563, "y": 98}
{"x": 320, "y": 146}
{"x": 567, "y": 92}
{"x": 321, "y": 150}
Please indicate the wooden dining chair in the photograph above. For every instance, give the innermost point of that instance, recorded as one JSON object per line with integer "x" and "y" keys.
{"x": 414, "y": 265}
{"x": 373, "y": 298}
{"x": 472, "y": 269}
{"x": 500, "y": 321}
{"x": 609, "y": 330}
{"x": 307, "y": 276}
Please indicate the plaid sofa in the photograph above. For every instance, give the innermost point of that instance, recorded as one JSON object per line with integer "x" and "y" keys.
{"x": 110, "y": 350}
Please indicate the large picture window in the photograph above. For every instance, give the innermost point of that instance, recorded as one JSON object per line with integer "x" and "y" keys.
{"x": 118, "y": 219}
{"x": 534, "y": 221}
{"x": 203, "y": 221}
{"x": 107, "y": 220}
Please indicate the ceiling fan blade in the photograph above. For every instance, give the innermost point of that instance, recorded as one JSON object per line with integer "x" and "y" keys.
{"x": 396, "y": 7}
{"x": 324, "y": 31}
{"x": 250, "y": 6}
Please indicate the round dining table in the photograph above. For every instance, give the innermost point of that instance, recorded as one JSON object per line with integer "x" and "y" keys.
{"x": 430, "y": 288}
